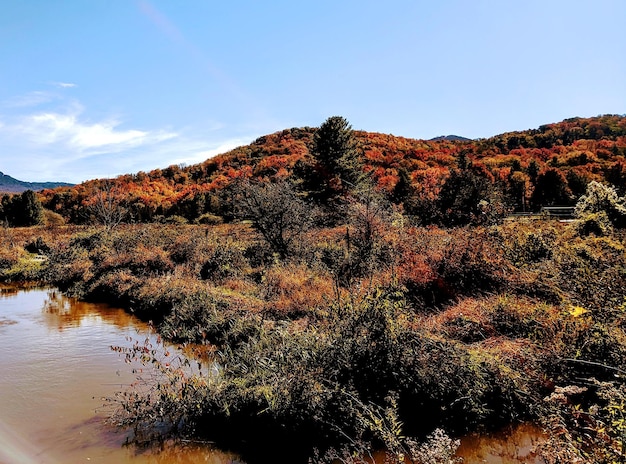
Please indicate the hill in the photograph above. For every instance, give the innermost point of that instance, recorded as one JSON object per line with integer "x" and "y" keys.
{"x": 9, "y": 184}
{"x": 550, "y": 165}
{"x": 452, "y": 138}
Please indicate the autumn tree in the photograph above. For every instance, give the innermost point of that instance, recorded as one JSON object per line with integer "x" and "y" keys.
{"x": 468, "y": 196}
{"x": 518, "y": 189}
{"x": 616, "y": 175}
{"x": 551, "y": 189}
{"x": 533, "y": 171}
{"x": 106, "y": 205}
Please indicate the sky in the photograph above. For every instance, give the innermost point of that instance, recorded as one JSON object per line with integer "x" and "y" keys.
{"x": 100, "y": 88}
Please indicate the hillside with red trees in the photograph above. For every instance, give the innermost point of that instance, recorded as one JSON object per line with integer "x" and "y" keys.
{"x": 525, "y": 170}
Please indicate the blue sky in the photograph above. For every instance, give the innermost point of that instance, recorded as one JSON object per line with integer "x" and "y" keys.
{"x": 98, "y": 88}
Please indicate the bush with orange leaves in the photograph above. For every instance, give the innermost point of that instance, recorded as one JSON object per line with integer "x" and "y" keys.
{"x": 295, "y": 290}
{"x": 441, "y": 265}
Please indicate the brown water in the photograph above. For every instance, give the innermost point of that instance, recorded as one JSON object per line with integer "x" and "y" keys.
{"x": 513, "y": 445}
{"x": 56, "y": 367}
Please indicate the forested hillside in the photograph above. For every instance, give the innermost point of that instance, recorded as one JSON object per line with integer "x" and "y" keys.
{"x": 516, "y": 171}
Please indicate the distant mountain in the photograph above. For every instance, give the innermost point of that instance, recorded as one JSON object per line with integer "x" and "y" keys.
{"x": 450, "y": 138}
{"x": 9, "y": 184}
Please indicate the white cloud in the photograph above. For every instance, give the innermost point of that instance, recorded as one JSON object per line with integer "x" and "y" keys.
{"x": 68, "y": 130}
{"x": 30, "y": 99}
{"x": 47, "y": 128}
{"x": 62, "y": 143}
{"x": 99, "y": 135}
{"x": 222, "y": 147}
{"x": 65, "y": 85}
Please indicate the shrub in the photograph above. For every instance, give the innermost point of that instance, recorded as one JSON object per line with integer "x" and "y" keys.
{"x": 52, "y": 219}
{"x": 26, "y": 269}
{"x": 175, "y": 219}
{"x": 9, "y": 256}
{"x": 69, "y": 267}
{"x": 594, "y": 223}
{"x": 38, "y": 246}
{"x": 591, "y": 272}
{"x": 197, "y": 316}
{"x": 225, "y": 261}
{"x": 445, "y": 264}
{"x": 601, "y": 198}
{"x": 187, "y": 249}
{"x": 295, "y": 290}
{"x": 209, "y": 219}
{"x": 277, "y": 212}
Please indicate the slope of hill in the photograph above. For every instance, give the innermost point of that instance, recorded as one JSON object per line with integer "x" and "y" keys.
{"x": 9, "y": 184}
{"x": 551, "y": 165}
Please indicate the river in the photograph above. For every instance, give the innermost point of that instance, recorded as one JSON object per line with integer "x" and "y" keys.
{"x": 56, "y": 368}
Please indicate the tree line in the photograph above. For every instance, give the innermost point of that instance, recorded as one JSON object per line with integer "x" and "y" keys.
{"x": 21, "y": 210}
{"x": 448, "y": 183}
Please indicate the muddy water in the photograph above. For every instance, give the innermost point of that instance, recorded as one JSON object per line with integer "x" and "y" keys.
{"x": 56, "y": 366}
{"x": 512, "y": 445}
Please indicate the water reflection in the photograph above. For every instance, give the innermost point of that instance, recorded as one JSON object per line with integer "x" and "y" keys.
{"x": 9, "y": 291}
{"x": 56, "y": 368}
{"x": 514, "y": 445}
{"x": 63, "y": 311}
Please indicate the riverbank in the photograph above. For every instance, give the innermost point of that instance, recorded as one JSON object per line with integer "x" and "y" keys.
{"x": 58, "y": 367}
{"x": 364, "y": 338}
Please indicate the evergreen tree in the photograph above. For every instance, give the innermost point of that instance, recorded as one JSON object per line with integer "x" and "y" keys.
{"x": 403, "y": 191}
{"x": 5, "y": 209}
{"x": 468, "y": 197}
{"x": 22, "y": 210}
{"x": 337, "y": 154}
{"x": 32, "y": 210}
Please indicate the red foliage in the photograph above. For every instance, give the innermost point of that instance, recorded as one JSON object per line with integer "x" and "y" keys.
{"x": 589, "y": 147}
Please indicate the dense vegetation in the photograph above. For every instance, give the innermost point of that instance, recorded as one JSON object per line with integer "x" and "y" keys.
{"x": 350, "y": 302}
{"x": 21, "y": 210}
{"x": 519, "y": 171}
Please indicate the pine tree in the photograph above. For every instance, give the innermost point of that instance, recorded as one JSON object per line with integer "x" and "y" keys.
{"x": 336, "y": 151}
{"x": 27, "y": 209}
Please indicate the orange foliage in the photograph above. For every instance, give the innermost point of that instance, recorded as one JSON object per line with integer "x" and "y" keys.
{"x": 589, "y": 147}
